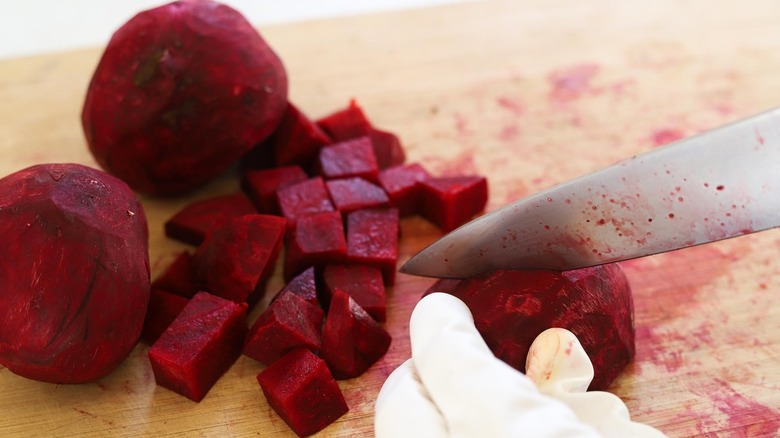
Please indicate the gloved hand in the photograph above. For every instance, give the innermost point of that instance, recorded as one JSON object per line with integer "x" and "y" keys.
{"x": 453, "y": 386}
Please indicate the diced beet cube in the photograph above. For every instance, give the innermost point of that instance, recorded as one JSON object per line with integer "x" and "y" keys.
{"x": 179, "y": 277}
{"x": 163, "y": 308}
{"x": 387, "y": 148}
{"x": 199, "y": 345}
{"x": 297, "y": 139}
{"x": 449, "y": 202}
{"x": 350, "y": 194}
{"x": 372, "y": 239}
{"x": 261, "y": 156}
{"x": 349, "y": 158}
{"x": 192, "y": 222}
{"x": 346, "y": 124}
{"x": 261, "y": 185}
{"x": 300, "y": 388}
{"x": 304, "y": 285}
{"x": 401, "y": 183}
{"x": 351, "y": 340}
{"x": 287, "y": 323}
{"x": 316, "y": 240}
{"x": 363, "y": 283}
{"x": 302, "y": 198}
{"x": 238, "y": 256}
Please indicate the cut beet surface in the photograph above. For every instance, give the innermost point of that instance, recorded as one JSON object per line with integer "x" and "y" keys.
{"x": 179, "y": 277}
{"x": 192, "y": 222}
{"x": 348, "y": 159}
{"x": 317, "y": 239}
{"x": 287, "y": 323}
{"x": 304, "y": 285}
{"x": 300, "y": 388}
{"x": 346, "y": 124}
{"x": 163, "y": 308}
{"x": 302, "y": 198}
{"x": 352, "y": 340}
{"x": 297, "y": 139}
{"x": 450, "y": 202}
{"x": 387, "y": 148}
{"x": 261, "y": 185}
{"x": 199, "y": 346}
{"x": 402, "y": 185}
{"x": 350, "y": 194}
{"x": 238, "y": 256}
{"x": 372, "y": 240}
{"x": 363, "y": 283}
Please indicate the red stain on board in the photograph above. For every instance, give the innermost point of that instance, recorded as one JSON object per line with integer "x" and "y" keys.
{"x": 664, "y": 136}
{"x": 571, "y": 83}
{"x": 514, "y": 106}
{"x": 743, "y": 416}
{"x": 509, "y": 132}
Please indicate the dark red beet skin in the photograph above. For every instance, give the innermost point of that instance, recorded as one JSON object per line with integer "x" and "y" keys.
{"x": 74, "y": 281}
{"x": 181, "y": 92}
{"x": 511, "y": 308}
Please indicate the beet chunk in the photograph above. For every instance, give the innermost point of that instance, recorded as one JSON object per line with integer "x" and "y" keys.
{"x": 372, "y": 239}
{"x": 179, "y": 277}
{"x": 304, "y": 285}
{"x": 287, "y": 323}
{"x": 238, "y": 256}
{"x": 192, "y": 222}
{"x": 387, "y": 148}
{"x": 402, "y": 185}
{"x": 261, "y": 185}
{"x": 450, "y": 202}
{"x": 198, "y": 347}
{"x": 74, "y": 278}
{"x": 181, "y": 92}
{"x": 350, "y": 194}
{"x": 300, "y": 388}
{"x": 164, "y": 307}
{"x": 317, "y": 239}
{"x": 346, "y": 124}
{"x": 297, "y": 139}
{"x": 511, "y": 308}
{"x": 363, "y": 283}
{"x": 349, "y": 158}
{"x": 303, "y": 198}
{"x": 351, "y": 340}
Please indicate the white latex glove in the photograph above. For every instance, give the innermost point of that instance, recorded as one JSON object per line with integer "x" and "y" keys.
{"x": 453, "y": 386}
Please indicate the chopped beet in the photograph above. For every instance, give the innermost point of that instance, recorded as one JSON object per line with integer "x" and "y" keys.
{"x": 300, "y": 388}
{"x": 350, "y": 194}
{"x": 260, "y": 157}
{"x": 163, "y": 308}
{"x": 179, "y": 277}
{"x": 238, "y": 256}
{"x": 304, "y": 285}
{"x": 511, "y": 308}
{"x": 450, "y": 202}
{"x": 297, "y": 140}
{"x": 351, "y": 340}
{"x": 387, "y": 148}
{"x": 401, "y": 183}
{"x": 363, "y": 283}
{"x": 372, "y": 239}
{"x": 261, "y": 185}
{"x": 199, "y": 345}
{"x": 192, "y": 222}
{"x": 302, "y": 198}
{"x": 316, "y": 240}
{"x": 287, "y": 323}
{"x": 346, "y": 124}
{"x": 349, "y": 158}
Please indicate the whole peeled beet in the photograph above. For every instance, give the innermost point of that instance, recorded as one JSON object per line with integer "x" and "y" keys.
{"x": 181, "y": 92}
{"x": 74, "y": 276}
{"x": 511, "y": 308}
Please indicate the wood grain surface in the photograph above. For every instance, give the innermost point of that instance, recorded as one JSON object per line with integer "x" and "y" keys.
{"x": 527, "y": 92}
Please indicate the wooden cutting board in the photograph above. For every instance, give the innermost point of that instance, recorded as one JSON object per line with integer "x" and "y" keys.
{"x": 529, "y": 93}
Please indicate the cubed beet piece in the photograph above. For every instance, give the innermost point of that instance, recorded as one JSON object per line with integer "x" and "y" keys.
{"x": 449, "y": 202}
{"x": 192, "y": 222}
{"x": 199, "y": 346}
{"x": 387, "y": 148}
{"x": 350, "y": 194}
{"x": 302, "y": 198}
{"x": 261, "y": 185}
{"x": 179, "y": 277}
{"x": 351, "y": 339}
{"x": 349, "y": 158}
{"x": 261, "y": 156}
{"x": 401, "y": 183}
{"x": 346, "y": 124}
{"x": 238, "y": 256}
{"x": 363, "y": 283}
{"x": 317, "y": 239}
{"x": 297, "y": 139}
{"x": 287, "y": 323}
{"x": 300, "y": 388}
{"x": 163, "y": 308}
{"x": 304, "y": 285}
{"x": 372, "y": 239}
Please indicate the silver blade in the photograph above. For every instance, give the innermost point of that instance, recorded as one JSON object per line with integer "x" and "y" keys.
{"x": 719, "y": 184}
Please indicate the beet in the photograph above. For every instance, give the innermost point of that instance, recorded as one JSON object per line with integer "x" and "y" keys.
{"x": 363, "y": 283}
{"x": 287, "y": 323}
{"x": 349, "y": 158}
{"x": 304, "y": 285}
{"x": 511, "y": 308}
{"x": 372, "y": 239}
{"x": 450, "y": 202}
{"x": 181, "y": 92}
{"x": 401, "y": 183}
{"x": 191, "y": 223}
{"x": 163, "y": 308}
{"x": 74, "y": 281}
{"x": 352, "y": 340}
{"x": 238, "y": 256}
{"x": 261, "y": 185}
{"x": 346, "y": 124}
{"x": 317, "y": 239}
{"x": 297, "y": 139}
{"x": 350, "y": 194}
{"x": 387, "y": 148}
{"x": 199, "y": 346}
{"x": 300, "y": 388}
{"x": 305, "y": 197}
{"x": 179, "y": 277}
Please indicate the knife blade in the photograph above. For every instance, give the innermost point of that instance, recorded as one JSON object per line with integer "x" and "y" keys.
{"x": 716, "y": 185}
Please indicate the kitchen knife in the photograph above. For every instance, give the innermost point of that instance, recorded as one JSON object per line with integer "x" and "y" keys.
{"x": 716, "y": 185}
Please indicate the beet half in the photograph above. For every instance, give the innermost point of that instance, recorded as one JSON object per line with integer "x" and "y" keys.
{"x": 74, "y": 281}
